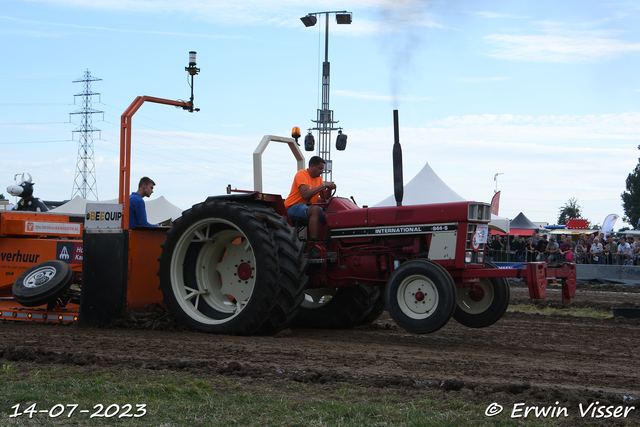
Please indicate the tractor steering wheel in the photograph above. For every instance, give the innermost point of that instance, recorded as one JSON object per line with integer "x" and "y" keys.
{"x": 328, "y": 199}
{"x": 322, "y": 188}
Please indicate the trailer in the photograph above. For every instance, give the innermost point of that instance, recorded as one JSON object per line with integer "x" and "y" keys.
{"x": 41, "y": 257}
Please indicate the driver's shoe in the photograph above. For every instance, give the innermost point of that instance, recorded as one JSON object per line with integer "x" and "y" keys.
{"x": 315, "y": 252}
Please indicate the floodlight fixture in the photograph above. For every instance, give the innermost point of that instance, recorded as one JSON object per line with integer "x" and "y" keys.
{"x": 341, "y": 141}
{"x": 343, "y": 18}
{"x": 309, "y": 142}
{"x": 309, "y": 20}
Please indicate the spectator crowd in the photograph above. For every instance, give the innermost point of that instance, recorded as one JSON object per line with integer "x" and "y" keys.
{"x": 583, "y": 249}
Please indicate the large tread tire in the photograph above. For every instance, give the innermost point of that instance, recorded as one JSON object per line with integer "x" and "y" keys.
{"x": 292, "y": 265}
{"x": 378, "y": 306}
{"x": 219, "y": 269}
{"x": 42, "y": 283}
{"x": 420, "y": 296}
{"x": 336, "y": 308}
{"x": 485, "y": 308}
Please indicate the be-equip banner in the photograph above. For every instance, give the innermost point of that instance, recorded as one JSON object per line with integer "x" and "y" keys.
{"x": 103, "y": 215}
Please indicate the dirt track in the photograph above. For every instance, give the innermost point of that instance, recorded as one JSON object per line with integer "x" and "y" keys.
{"x": 536, "y": 359}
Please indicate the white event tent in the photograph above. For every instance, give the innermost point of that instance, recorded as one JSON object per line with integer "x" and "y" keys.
{"x": 425, "y": 188}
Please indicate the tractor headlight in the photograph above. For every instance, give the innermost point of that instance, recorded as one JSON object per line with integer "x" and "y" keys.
{"x": 468, "y": 256}
{"x": 479, "y": 212}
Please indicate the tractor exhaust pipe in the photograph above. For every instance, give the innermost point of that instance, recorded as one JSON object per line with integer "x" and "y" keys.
{"x": 398, "y": 185}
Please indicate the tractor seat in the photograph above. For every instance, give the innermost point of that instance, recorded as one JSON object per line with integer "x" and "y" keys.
{"x": 300, "y": 223}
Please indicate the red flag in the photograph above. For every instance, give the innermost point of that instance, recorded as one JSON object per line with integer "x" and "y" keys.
{"x": 495, "y": 204}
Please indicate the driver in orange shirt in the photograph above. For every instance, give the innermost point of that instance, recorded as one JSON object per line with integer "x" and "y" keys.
{"x": 308, "y": 187}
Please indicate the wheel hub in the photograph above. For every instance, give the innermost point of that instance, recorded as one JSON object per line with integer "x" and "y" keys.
{"x": 476, "y": 300}
{"x": 476, "y": 294}
{"x": 417, "y": 296}
{"x": 39, "y": 277}
{"x": 245, "y": 271}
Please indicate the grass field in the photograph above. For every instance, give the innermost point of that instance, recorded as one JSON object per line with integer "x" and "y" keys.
{"x": 174, "y": 398}
{"x": 171, "y": 399}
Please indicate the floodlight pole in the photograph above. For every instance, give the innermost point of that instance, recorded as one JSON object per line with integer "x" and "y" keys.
{"x": 324, "y": 119}
{"x": 325, "y": 115}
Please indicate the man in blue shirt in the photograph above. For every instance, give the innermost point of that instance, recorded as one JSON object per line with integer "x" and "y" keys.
{"x": 137, "y": 209}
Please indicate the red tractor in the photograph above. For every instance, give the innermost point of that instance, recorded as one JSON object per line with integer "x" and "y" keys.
{"x": 235, "y": 264}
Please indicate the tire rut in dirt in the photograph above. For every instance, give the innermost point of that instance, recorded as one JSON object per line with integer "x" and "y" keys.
{"x": 219, "y": 269}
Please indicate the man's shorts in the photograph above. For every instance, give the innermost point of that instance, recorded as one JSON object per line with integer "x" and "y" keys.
{"x": 299, "y": 211}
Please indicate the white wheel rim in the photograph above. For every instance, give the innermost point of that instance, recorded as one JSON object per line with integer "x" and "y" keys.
{"x": 225, "y": 271}
{"x": 317, "y": 298}
{"x": 39, "y": 277}
{"x": 469, "y": 304}
{"x": 418, "y": 297}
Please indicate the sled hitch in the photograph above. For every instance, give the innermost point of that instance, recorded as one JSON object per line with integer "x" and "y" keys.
{"x": 537, "y": 275}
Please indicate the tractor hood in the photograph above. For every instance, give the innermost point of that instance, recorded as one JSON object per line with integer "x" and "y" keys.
{"x": 342, "y": 213}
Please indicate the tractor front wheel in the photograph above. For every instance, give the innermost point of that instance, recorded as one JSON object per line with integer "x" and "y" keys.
{"x": 420, "y": 296}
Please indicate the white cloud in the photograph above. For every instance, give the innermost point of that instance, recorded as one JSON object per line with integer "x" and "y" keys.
{"x": 49, "y": 34}
{"x": 556, "y": 45}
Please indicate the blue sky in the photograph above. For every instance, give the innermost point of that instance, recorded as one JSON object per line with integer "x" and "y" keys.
{"x": 546, "y": 93}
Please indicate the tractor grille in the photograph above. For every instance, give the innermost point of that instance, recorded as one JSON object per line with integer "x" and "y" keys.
{"x": 471, "y": 256}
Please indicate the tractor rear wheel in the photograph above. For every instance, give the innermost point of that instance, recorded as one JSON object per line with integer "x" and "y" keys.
{"x": 485, "y": 305}
{"x": 377, "y": 307}
{"x": 336, "y": 308}
{"x": 219, "y": 269}
{"x": 292, "y": 265}
{"x": 420, "y": 296}
{"x": 42, "y": 283}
